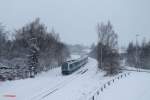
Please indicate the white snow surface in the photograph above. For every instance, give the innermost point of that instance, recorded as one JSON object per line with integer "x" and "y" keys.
{"x": 134, "y": 87}
{"x": 52, "y": 85}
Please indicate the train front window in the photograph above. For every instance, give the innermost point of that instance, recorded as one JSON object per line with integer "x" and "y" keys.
{"x": 65, "y": 66}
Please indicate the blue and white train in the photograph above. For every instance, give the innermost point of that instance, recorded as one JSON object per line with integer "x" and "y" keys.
{"x": 69, "y": 67}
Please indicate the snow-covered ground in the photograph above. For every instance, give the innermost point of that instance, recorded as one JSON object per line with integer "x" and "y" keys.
{"x": 52, "y": 85}
{"x": 134, "y": 87}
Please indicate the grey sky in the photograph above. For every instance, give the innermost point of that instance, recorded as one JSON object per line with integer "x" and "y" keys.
{"x": 75, "y": 20}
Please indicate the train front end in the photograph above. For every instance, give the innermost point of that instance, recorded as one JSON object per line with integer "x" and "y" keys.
{"x": 65, "y": 68}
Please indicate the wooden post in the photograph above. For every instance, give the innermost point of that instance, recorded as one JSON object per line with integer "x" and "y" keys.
{"x": 93, "y": 98}
{"x": 102, "y": 89}
{"x": 118, "y": 77}
{"x": 104, "y": 85}
{"x": 113, "y": 80}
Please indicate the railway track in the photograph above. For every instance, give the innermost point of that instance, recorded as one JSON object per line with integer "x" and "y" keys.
{"x": 57, "y": 87}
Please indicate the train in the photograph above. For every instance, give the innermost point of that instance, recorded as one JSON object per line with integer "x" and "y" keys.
{"x": 71, "y": 66}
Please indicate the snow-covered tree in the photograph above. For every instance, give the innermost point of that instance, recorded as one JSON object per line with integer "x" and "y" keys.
{"x": 33, "y": 57}
{"x": 32, "y": 50}
{"x": 40, "y": 48}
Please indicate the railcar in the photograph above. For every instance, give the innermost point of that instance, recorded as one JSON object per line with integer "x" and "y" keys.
{"x": 73, "y": 65}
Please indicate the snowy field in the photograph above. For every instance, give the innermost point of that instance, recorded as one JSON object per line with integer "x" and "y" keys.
{"x": 52, "y": 85}
{"x": 134, "y": 87}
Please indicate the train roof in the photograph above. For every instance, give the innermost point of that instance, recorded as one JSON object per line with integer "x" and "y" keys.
{"x": 70, "y": 61}
{"x": 75, "y": 60}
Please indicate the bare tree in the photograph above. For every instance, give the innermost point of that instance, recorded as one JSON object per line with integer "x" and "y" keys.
{"x": 106, "y": 35}
{"x": 107, "y": 53}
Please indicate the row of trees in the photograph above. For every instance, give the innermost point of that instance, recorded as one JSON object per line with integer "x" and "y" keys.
{"x": 139, "y": 55}
{"x": 33, "y": 49}
{"x": 108, "y": 57}
{"x": 107, "y": 48}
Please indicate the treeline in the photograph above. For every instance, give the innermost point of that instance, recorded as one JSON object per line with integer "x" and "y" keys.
{"x": 32, "y": 50}
{"x": 139, "y": 55}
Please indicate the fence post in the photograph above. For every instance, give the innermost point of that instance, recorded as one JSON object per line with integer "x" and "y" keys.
{"x": 108, "y": 82}
{"x": 113, "y": 80}
{"x": 121, "y": 76}
{"x": 97, "y": 92}
{"x": 93, "y": 98}
{"x": 104, "y": 86}
{"x": 102, "y": 89}
{"x": 118, "y": 77}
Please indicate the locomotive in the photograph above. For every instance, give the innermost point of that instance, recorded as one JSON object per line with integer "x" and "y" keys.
{"x": 70, "y": 66}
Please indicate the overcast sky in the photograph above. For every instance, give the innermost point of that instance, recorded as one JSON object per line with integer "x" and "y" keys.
{"x": 75, "y": 20}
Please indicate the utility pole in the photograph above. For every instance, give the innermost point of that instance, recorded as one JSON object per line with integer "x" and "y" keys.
{"x": 136, "y": 58}
{"x": 101, "y": 55}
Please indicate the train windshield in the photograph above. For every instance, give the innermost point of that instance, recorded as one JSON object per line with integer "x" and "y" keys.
{"x": 65, "y": 66}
